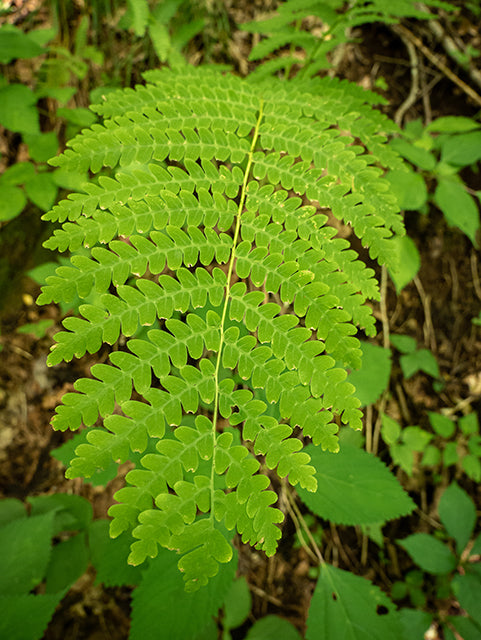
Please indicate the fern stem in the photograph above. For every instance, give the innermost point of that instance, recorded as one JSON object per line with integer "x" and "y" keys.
{"x": 240, "y": 208}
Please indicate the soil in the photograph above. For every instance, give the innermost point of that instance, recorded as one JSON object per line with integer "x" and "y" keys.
{"x": 436, "y": 310}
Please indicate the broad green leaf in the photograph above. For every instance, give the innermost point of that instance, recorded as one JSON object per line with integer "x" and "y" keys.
{"x": 472, "y": 467}
{"x": 421, "y": 360}
{"x": 25, "y": 617}
{"x": 12, "y": 202}
{"x": 272, "y": 628}
{"x": 350, "y": 607}
{"x": 390, "y": 429}
{"x": 372, "y": 379}
{"x": 441, "y": 424}
{"x": 161, "y": 597}
{"x": 68, "y": 561}
{"x": 431, "y": 456}
{"x": 429, "y": 553}
{"x": 17, "y": 174}
{"x": 458, "y": 207}
{"x": 403, "y": 456}
{"x": 462, "y": 149}
{"x": 452, "y": 124}
{"x": 409, "y": 188}
{"x": 416, "y": 438}
{"x": 415, "y": 623}
{"x": 374, "y": 493}
{"x": 466, "y": 627}
{"x": 469, "y": 424}
{"x": 43, "y": 146}
{"x": 450, "y": 454}
{"x": 11, "y": 509}
{"x": 17, "y": 109}
{"x": 467, "y": 589}
{"x": 416, "y": 155}
{"x": 42, "y": 191}
{"x": 237, "y": 604}
{"x": 24, "y": 553}
{"x": 408, "y": 264}
{"x": 15, "y": 44}
{"x": 109, "y": 556}
{"x": 458, "y": 515}
{"x": 404, "y": 344}
{"x": 71, "y": 512}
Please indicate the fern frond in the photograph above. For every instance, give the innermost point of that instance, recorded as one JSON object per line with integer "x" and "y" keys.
{"x": 211, "y": 236}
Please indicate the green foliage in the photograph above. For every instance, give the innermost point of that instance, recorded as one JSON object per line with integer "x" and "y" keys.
{"x": 28, "y": 558}
{"x": 439, "y": 151}
{"x": 450, "y": 444}
{"x": 457, "y": 572}
{"x": 374, "y": 494}
{"x": 308, "y": 49}
{"x": 413, "y": 359}
{"x": 372, "y": 378}
{"x": 347, "y": 606}
{"x": 202, "y": 169}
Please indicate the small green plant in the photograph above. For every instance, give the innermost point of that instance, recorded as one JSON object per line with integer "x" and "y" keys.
{"x": 413, "y": 359}
{"x": 439, "y": 152}
{"x": 453, "y": 559}
{"x": 299, "y": 48}
{"x": 443, "y": 447}
{"x": 29, "y": 558}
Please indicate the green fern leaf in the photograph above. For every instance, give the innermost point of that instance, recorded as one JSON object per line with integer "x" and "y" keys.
{"x": 210, "y": 234}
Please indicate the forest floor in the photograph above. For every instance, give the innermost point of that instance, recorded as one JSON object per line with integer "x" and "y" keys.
{"x": 436, "y": 309}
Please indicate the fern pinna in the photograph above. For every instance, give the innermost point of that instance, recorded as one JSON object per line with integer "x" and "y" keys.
{"x": 207, "y": 246}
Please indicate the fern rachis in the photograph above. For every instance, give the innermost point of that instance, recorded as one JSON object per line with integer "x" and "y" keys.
{"x": 210, "y": 232}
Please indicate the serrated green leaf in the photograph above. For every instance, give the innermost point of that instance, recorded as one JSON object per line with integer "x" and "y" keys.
{"x": 374, "y": 493}
{"x": 415, "y": 154}
{"x": 409, "y": 188}
{"x": 390, "y": 429}
{"x": 467, "y": 590}
{"x": 25, "y": 617}
{"x": 24, "y": 553}
{"x": 347, "y": 606}
{"x": 404, "y": 344}
{"x": 71, "y": 511}
{"x": 15, "y": 44}
{"x": 408, "y": 264}
{"x": 452, "y": 124}
{"x": 458, "y": 515}
{"x": 442, "y": 425}
{"x": 237, "y": 604}
{"x": 462, "y": 149}
{"x": 11, "y": 509}
{"x": 458, "y": 206}
{"x": 429, "y": 553}
{"x": 372, "y": 379}
{"x": 41, "y": 190}
{"x": 68, "y": 561}
{"x": 420, "y": 360}
{"x": 17, "y": 109}
{"x": 12, "y": 202}
{"x": 109, "y": 556}
{"x": 161, "y": 595}
{"x": 272, "y": 628}
{"x": 42, "y": 146}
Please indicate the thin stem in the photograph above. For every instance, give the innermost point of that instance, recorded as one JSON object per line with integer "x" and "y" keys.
{"x": 228, "y": 287}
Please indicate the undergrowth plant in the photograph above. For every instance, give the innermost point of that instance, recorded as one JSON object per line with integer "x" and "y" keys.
{"x": 302, "y": 33}
{"x": 207, "y": 221}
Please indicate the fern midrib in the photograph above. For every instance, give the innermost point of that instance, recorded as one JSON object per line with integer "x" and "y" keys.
{"x": 227, "y": 297}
